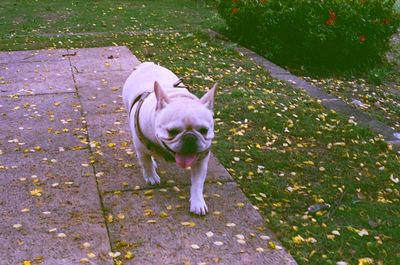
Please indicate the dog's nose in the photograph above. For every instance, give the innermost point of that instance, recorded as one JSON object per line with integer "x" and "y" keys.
{"x": 189, "y": 144}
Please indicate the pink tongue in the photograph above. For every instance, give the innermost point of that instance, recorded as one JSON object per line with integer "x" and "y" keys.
{"x": 185, "y": 161}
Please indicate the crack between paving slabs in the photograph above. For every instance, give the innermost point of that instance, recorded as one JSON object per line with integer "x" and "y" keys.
{"x": 156, "y": 187}
{"x": 97, "y": 71}
{"x": 40, "y": 94}
{"x": 91, "y": 153}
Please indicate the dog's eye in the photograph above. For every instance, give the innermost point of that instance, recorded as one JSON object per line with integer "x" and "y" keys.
{"x": 173, "y": 132}
{"x": 203, "y": 130}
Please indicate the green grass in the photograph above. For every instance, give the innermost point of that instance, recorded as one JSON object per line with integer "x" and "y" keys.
{"x": 285, "y": 150}
{"x": 38, "y": 17}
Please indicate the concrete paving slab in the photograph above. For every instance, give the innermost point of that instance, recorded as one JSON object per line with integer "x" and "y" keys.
{"x": 33, "y": 87}
{"x": 50, "y": 208}
{"x": 157, "y": 228}
{"x": 29, "y": 141}
{"x": 102, "y": 92}
{"x": 51, "y": 188}
{"x": 36, "y": 78}
{"x": 36, "y": 110}
{"x": 48, "y": 121}
{"x": 32, "y": 70}
{"x": 115, "y": 127}
{"x": 32, "y": 56}
{"x": 105, "y": 59}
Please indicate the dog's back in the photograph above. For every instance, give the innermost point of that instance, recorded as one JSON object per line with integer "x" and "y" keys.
{"x": 142, "y": 80}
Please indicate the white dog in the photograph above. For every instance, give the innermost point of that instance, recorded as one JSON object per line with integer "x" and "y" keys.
{"x": 168, "y": 121}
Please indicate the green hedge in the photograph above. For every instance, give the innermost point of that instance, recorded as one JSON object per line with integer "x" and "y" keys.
{"x": 329, "y": 33}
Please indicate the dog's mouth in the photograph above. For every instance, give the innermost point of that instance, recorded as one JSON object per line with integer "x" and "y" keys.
{"x": 185, "y": 160}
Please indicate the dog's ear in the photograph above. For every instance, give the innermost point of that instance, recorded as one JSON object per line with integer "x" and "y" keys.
{"x": 162, "y": 98}
{"x": 208, "y": 98}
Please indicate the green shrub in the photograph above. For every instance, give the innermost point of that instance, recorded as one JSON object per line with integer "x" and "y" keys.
{"x": 328, "y": 33}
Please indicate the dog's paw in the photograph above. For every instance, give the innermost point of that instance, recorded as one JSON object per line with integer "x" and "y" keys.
{"x": 154, "y": 179}
{"x": 198, "y": 206}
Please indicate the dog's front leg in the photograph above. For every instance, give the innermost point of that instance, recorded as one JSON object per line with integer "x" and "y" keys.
{"x": 148, "y": 166}
{"x": 198, "y": 174}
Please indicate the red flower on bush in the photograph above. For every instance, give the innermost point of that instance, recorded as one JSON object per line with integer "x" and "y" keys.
{"x": 362, "y": 38}
{"x": 386, "y": 21}
{"x": 234, "y": 11}
{"x": 263, "y": 1}
{"x": 332, "y": 18}
{"x": 234, "y": 1}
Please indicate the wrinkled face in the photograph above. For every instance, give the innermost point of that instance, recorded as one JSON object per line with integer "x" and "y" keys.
{"x": 186, "y": 128}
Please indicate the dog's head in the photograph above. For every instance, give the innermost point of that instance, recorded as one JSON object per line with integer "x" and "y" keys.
{"x": 184, "y": 125}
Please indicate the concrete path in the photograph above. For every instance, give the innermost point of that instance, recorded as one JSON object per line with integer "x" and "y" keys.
{"x": 71, "y": 191}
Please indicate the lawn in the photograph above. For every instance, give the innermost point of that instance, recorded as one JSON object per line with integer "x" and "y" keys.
{"x": 285, "y": 150}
